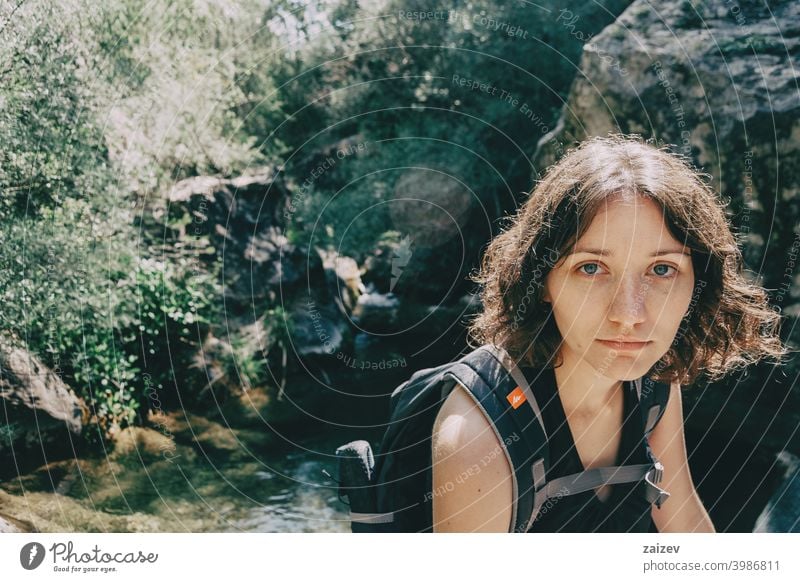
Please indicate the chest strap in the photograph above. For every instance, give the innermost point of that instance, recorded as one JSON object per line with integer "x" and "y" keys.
{"x": 592, "y": 478}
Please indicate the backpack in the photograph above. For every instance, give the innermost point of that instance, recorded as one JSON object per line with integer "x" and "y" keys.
{"x": 391, "y": 490}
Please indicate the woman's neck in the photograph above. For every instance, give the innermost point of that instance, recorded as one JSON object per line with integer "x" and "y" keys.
{"x": 583, "y": 391}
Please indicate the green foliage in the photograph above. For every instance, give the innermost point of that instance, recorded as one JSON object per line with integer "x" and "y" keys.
{"x": 185, "y": 73}
{"x": 61, "y": 279}
{"x": 107, "y": 378}
{"x": 174, "y": 306}
{"x": 51, "y": 145}
{"x": 751, "y": 44}
{"x": 96, "y": 314}
{"x": 243, "y": 364}
{"x": 246, "y": 362}
{"x": 101, "y": 103}
{"x": 9, "y": 432}
{"x": 693, "y": 15}
{"x": 278, "y": 327}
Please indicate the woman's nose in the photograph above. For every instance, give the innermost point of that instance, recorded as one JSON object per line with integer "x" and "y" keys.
{"x": 627, "y": 304}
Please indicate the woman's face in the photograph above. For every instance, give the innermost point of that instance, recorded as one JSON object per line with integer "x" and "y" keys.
{"x": 626, "y": 277}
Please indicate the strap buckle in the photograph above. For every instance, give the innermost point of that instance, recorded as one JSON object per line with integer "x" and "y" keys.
{"x": 655, "y": 493}
{"x": 658, "y": 472}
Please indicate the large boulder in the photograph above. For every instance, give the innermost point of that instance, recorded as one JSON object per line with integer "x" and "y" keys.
{"x": 241, "y": 219}
{"x": 10, "y": 524}
{"x": 41, "y": 416}
{"x": 320, "y": 311}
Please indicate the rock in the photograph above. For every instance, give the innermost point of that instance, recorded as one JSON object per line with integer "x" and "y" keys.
{"x": 430, "y": 206}
{"x": 320, "y": 313}
{"x": 243, "y": 219}
{"x": 55, "y": 513}
{"x": 782, "y": 512}
{"x": 417, "y": 270}
{"x": 144, "y": 442}
{"x": 317, "y": 329}
{"x": 9, "y": 524}
{"x": 43, "y": 416}
{"x": 315, "y": 291}
{"x": 63, "y": 477}
{"x": 211, "y": 438}
{"x": 345, "y": 275}
{"x": 377, "y": 312}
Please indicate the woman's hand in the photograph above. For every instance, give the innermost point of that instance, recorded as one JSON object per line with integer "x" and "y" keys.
{"x": 682, "y": 511}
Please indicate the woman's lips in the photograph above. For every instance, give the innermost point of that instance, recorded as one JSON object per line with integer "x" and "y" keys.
{"x": 624, "y": 345}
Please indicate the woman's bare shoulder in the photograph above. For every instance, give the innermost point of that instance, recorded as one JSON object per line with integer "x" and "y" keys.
{"x": 472, "y": 489}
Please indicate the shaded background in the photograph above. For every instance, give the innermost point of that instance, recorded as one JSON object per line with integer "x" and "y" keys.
{"x": 229, "y": 230}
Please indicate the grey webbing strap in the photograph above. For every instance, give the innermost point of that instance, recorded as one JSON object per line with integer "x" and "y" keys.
{"x": 372, "y": 517}
{"x": 591, "y": 478}
{"x": 655, "y": 410}
{"x": 652, "y": 416}
{"x": 539, "y": 491}
{"x": 653, "y": 492}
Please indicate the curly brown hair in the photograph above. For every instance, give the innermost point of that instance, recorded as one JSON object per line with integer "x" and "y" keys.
{"x": 731, "y": 325}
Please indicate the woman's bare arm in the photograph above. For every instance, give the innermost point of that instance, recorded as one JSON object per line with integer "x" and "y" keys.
{"x": 682, "y": 511}
{"x": 471, "y": 476}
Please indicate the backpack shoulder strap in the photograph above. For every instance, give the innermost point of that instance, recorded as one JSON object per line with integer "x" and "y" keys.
{"x": 501, "y": 391}
{"x": 653, "y": 398}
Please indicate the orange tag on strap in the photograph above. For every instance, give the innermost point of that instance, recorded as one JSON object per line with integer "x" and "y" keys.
{"x": 516, "y": 397}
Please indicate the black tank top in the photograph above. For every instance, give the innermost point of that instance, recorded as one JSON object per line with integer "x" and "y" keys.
{"x": 626, "y": 509}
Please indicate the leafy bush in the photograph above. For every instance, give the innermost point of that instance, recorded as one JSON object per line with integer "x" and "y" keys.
{"x": 174, "y": 306}
{"x": 51, "y": 143}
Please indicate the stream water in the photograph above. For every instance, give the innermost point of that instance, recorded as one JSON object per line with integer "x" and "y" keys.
{"x": 283, "y": 491}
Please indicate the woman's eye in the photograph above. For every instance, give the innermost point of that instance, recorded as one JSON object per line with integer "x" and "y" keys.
{"x": 663, "y": 266}
{"x": 591, "y": 272}
{"x": 662, "y": 269}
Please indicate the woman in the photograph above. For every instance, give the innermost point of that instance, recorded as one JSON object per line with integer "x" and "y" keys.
{"x": 621, "y": 264}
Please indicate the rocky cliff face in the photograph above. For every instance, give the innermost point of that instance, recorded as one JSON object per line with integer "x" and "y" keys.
{"x": 719, "y": 80}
